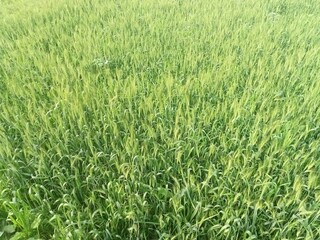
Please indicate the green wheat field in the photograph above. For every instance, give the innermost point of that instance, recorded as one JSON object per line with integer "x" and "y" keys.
{"x": 159, "y": 119}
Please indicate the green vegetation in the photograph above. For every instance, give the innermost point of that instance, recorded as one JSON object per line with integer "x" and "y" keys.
{"x": 159, "y": 119}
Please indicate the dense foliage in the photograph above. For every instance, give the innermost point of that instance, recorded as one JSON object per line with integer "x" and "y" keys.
{"x": 160, "y": 119}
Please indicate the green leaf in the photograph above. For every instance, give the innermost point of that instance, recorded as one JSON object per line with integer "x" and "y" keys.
{"x": 9, "y": 229}
{"x": 36, "y": 222}
{"x": 18, "y": 236}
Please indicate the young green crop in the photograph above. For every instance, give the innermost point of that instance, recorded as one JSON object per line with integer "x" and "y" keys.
{"x": 159, "y": 119}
